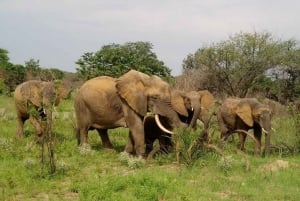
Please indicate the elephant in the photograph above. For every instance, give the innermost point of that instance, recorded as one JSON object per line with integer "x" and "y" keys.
{"x": 202, "y": 102}
{"x": 98, "y": 106}
{"x": 241, "y": 114}
{"x": 189, "y": 106}
{"x": 104, "y": 103}
{"x": 34, "y": 100}
{"x": 154, "y": 132}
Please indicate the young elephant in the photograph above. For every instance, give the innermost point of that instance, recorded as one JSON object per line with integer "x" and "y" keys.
{"x": 154, "y": 132}
{"x": 243, "y": 114}
{"x": 34, "y": 100}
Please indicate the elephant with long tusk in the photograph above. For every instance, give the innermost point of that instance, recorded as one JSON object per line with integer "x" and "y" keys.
{"x": 104, "y": 103}
{"x": 189, "y": 106}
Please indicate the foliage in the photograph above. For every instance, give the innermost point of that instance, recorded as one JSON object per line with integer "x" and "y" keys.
{"x": 4, "y": 59}
{"x": 10, "y": 75}
{"x": 32, "y": 67}
{"x": 14, "y": 75}
{"x": 236, "y": 66}
{"x": 187, "y": 146}
{"x": 114, "y": 60}
{"x": 50, "y": 74}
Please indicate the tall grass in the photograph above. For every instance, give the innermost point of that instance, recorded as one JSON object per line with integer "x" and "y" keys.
{"x": 100, "y": 174}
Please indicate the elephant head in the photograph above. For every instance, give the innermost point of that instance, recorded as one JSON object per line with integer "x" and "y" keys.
{"x": 251, "y": 112}
{"x": 34, "y": 100}
{"x": 244, "y": 114}
{"x": 141, "y": 93}
{"x": 193, "y": 105}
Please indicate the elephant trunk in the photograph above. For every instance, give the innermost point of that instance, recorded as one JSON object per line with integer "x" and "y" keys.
{"x": 196, "y": 114}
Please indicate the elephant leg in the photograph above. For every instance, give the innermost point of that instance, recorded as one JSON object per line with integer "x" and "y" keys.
{"x": 165, "y": 143}
{"x": 37, "y": 125}
{"x": 205, "y": 120}
{"x": 130, "y": 144}
{"x": 242, "y": 139}
{"x": 257, "y": 150}
{"x": 267, "y": 143}
{"x": 136, "y": 127}
{"x": 83, "y": 137}
{"x": 20, "y": 128}
{"x": 104, "y": 138}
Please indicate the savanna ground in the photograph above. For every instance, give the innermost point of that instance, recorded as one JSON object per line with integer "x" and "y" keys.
{"x": 100, "y": 174}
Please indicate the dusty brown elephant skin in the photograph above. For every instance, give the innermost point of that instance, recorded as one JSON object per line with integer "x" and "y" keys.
{"x": 98, "y": 106}
{"x": 34, "y": 100}
{"x": 244, "y": 114}
{"x": 189, "y": 106}
{"x": 133, "y": 95}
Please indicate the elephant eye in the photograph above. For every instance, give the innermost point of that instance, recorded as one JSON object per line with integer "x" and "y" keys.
{"x": 155, "y": 97}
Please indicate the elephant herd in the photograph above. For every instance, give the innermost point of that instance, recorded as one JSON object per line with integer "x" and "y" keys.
{"x": 144, "y": 104}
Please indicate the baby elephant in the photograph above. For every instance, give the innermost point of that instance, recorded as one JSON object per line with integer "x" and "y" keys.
{"x": 240, "y": 115}
{"x": 154, "y": 132}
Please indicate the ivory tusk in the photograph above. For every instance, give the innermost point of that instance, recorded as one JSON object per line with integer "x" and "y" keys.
{"x": 264, "y": 130}
{"x": 161, "y": 126}
{"x": 192, "y": 109}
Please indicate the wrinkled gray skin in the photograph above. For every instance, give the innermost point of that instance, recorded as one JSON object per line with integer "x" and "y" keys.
{"x": 103, "y": 103}
{"x": 244, "y": 114}
{"x": 34, "y": 100}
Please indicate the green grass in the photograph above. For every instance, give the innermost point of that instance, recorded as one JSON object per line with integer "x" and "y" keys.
{"x": 100, "y": 174}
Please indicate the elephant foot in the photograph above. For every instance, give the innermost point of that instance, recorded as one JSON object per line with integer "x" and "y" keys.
{"x": 203, "y": 137}
{"x": 85, "y": 146}
{"x": 107, "y": 146}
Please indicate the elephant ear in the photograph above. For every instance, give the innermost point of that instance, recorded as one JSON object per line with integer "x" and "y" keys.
{"x": 177, "y": 100}
{"x": 206, "y": 99}
{"x": 130, "y": 87}
{"x": 244, "y": 111}
{"x": 31, "y": 91}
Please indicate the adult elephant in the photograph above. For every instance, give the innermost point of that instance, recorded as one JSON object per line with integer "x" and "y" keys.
{"x": 240, "y": 115}
{"x": 34, "y": 100}
{"x": 98, "y": 106}
{"x": 190, "y": 106}
{"x": 103, "y": 103}
{"x": 202, "y": 103}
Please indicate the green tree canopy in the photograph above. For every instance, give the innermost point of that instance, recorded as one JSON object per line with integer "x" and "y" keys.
{"x": 10, "y": 74}
{"x": 238, "y": 64}
{"x": 33, "y": 67}
{"x": 114, "y": 60}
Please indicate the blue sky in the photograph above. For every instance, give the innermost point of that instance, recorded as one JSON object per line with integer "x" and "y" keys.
{"x": 58, "y": 32}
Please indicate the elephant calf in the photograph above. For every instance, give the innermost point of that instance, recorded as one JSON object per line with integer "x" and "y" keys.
{"x": 154, "y": 132}
{"x": 240, "y": 115}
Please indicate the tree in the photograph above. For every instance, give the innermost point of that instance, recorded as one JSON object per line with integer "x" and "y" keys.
{"x": 236, "y": 65}
{"x": 50, "y": 74}
{"x": 10, "y": 74}
{"x": 32, "y": 68}
{"x": 14, "y": 75}
{"x": 114, "y": 60}
{"x": 4, "y": 59}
